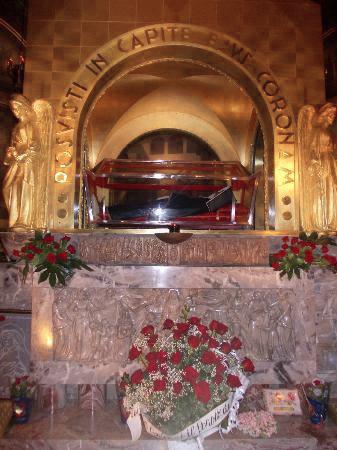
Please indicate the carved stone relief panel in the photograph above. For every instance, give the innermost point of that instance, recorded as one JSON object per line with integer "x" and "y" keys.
{"x": 99, "y": 324}
{"x": 327, "y": 331}
{"x": 14, "y": 349}
{"x": 210, "y": 251}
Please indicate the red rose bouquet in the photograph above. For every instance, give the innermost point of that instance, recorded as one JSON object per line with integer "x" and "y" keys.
{"x": 55, "y": 260}
{"x": 186, "y": 370}
{"x": 301, "y": 253}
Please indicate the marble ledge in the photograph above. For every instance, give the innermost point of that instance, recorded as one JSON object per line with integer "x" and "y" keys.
{"x": 180, "y": 277}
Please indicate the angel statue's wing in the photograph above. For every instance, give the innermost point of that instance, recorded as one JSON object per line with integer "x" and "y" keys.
{"x": 306, "y": 117}
{"x": 44, "y": 115}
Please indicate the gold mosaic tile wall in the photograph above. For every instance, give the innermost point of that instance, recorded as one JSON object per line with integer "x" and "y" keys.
{"x": 284, "y": 34}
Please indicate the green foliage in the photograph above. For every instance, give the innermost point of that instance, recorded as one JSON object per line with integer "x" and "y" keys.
{"x": 55, "y": 260}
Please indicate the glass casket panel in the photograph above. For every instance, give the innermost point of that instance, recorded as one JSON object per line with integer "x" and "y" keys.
{"x": 199, "y": 195}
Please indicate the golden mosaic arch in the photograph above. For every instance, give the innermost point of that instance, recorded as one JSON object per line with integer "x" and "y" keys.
{"x": 176, "y": 42}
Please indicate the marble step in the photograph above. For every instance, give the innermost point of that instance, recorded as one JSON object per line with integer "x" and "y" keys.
{"x": 72, "y": 428}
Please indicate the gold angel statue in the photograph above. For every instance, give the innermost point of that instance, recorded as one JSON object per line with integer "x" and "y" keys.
{"x": 25, "y": 186}
{"x": 317, "y": 168}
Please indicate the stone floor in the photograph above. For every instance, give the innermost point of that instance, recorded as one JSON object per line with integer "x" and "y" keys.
{"x": 71, "y": 429}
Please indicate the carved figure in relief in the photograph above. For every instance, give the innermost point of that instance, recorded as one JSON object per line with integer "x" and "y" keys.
{"x": 61, "y": 329}
{"x": 81, "y": 330}
{"x": 25, "y": 184}
{"x": 318, "y": 168}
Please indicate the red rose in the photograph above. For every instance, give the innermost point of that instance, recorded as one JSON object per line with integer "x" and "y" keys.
{"x": 134, "y": 353}
{"x": 202, "y": 391}
{"x": 16, "y": 253}
{"x": 151, "y": 356}
{"x": 236, "y": 343}
{"x": 159, "y": 385}
{"x": 153, "y": 339}
{"x": 177, "y": 335}
{"x": 162, "y": 356}
{"x": 152, "y": 367}
{"x": 331, "y": 259}
{"x": 220, "y": 368}
{"x": 37, "y": 250}
{"x": 148, "y": 330}
{"x": 23, "y": 249}
{"x": 219, "y": 327}
{"x": 193, "y": 341}
{"x": 316, "y": 382}
{"x": 233, "y": 381}
{"x": 51, "y": 258}
{"x": 222, "y": 328}
{"x": 284, "y": 246}
{"x": 71, "y": 249}
{"x": 209, "y": 357}
{"x": 48, "y": 239}
{"x": 218, "y": 378}
{"x": 177, "y": 387}
{"x": 202, "y": 328}
{"x": 285, "y": 239}
{"x": 312, "y": 245}
{"x": 213, "y": 325}
{"x": 295, "y": 250}
{"x": 212, "y": 343}
{"x": 62, "y": 256}
{"x": 30, "y": 247}
{"x": 168, "y": 324}
{"x": 176, "y": 357}
{"x": 226, "y": 347}
{"x": 204, "y": 339}
{"x": 324, "y": 249}
{"x": 308, "y": 256}
{"x": 65, "y": 238}
{"x": 276, "y": 265}
{"x": 194, "y": 320}
{"x": 183, "y": 327}
{"x": 2, "y": 318}
{"x": 30, "y": 256}
{"x": 282, "y": 253}
{"x": 56, "y": 245}
{"x": 137, "y": 376}
{"x": 247, "y": 365}
{"x": 190, "y": 374}
{"x": 294, "y": 241}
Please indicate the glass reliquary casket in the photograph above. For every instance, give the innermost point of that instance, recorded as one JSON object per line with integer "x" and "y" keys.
{"x": 199, "y": 195}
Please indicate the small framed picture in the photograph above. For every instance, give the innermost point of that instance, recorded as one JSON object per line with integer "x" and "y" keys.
{"x": 282, "y": 401}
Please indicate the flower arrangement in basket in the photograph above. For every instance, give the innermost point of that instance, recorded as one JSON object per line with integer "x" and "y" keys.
{"x": 54, "y": 260}
{"x": 190, "y": 378}
{"x": 22, "y": 387}
{"x": 301, "y": 253}
{"x": 22, "y": 390}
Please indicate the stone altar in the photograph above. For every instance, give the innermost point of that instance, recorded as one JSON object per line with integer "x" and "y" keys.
{"x": 81, "y": 334}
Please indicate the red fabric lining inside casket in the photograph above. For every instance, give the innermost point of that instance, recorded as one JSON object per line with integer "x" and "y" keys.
{"x": 222, "y": 215}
